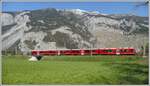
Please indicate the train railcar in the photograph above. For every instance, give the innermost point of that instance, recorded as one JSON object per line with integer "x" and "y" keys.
{"x": 44, "y": 52}
{"x": 77, "y": 52}
{"x": 65, "y": 52}
{"x": 127, "y": 51}
{"x": 101, "y": 51}
{"x": 87, "y": 52}
{"x": 108, "y": 51}
{"x": 72, "y": 52}
{"x": 95, "y": 52}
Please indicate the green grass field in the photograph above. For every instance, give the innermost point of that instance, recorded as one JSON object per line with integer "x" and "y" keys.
{"x": 75, "y": 70}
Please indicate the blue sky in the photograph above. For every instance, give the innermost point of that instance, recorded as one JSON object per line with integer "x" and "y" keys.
{"x": 102, "y": 7}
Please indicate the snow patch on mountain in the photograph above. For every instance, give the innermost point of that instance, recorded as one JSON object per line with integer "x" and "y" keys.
{"x": 78, "y": 11}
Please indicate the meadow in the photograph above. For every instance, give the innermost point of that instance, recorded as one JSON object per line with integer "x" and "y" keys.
{"x": 96, "y": 70}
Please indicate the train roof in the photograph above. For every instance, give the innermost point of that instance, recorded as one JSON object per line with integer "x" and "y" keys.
{"x": 87, "y": 49}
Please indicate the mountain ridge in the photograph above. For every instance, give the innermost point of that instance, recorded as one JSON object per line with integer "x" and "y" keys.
{"x": 64, "y": 29}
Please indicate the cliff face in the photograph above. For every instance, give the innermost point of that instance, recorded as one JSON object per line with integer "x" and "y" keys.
{"x": 71, "y": 29}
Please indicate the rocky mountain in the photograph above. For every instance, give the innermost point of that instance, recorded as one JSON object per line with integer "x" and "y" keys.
{"x": 71, "y": 29}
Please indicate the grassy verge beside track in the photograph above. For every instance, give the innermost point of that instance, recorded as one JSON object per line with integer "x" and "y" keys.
{"x": 75, "y": 70}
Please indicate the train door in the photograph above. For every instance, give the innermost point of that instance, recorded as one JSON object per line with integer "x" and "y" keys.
{"x": 118, "y": 51}
{"x": 58, "y": 52}
{"x": 82, "y": 52}
{"x": 131, "y": 51}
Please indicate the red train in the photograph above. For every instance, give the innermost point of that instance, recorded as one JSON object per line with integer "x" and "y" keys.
{"x": 101, "y": 51}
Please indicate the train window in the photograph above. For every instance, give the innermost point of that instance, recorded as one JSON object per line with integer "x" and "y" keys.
{"x": 107, "y": 50}
{"x": 121, "y": 50}
{"x": 131, "y": 50}
{"x": 118, "y": 50}
{"x": 87, "y": 51}
{"x": 124, "y": 50}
